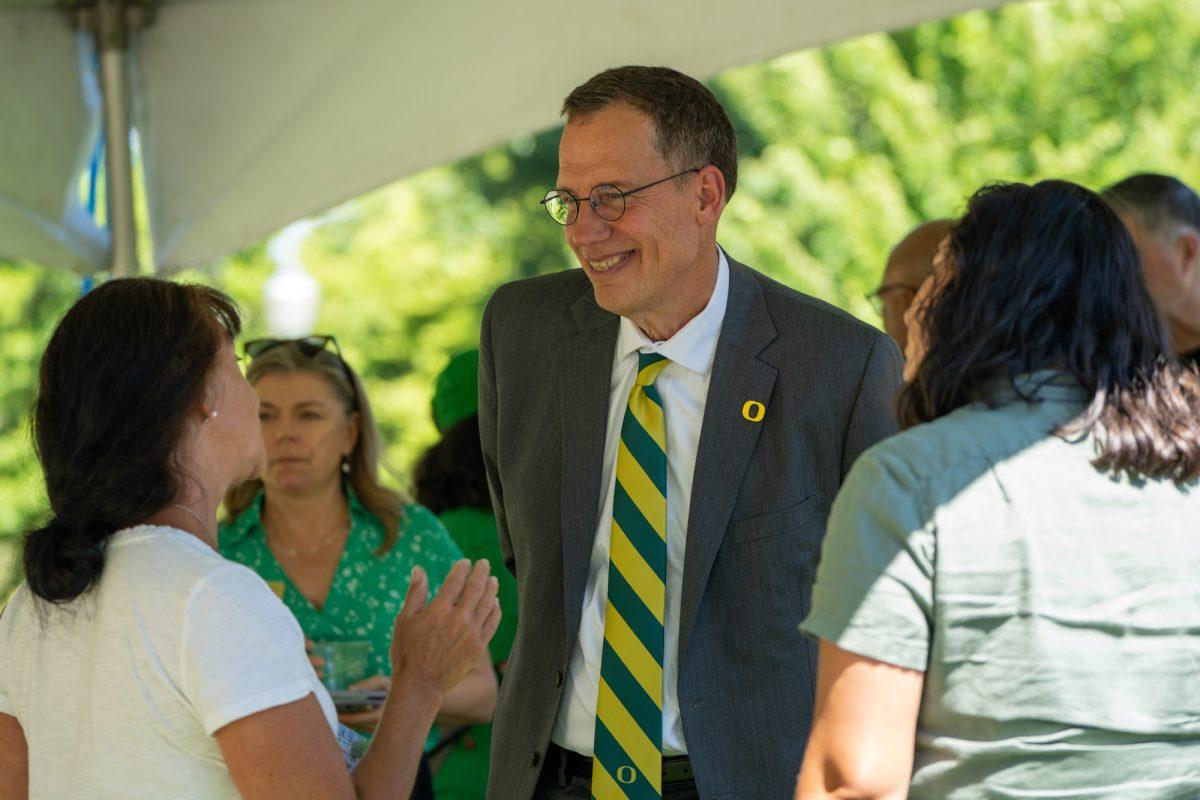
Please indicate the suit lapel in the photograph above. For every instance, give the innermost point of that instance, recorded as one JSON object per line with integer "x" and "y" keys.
{"x": 585, "y": 375}
{"x": 727, "y": 438}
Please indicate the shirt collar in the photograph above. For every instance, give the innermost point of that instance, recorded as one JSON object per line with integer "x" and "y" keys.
{"x": 695, "y": 344}
{"x": 1039, "y": 386}
{"x": 244, "y": 524}
{"x": 250, "y": 520}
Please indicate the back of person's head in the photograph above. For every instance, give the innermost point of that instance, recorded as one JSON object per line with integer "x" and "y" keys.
{"x": 450, "y": 474}
{"x": 1159, "y": 202}
{"x": 123, "y": 371}
{"x": 691, "y": 128}
{"x": 365, "y": 459}
{"x": 911, "y": 260}
{"x": 1046, "y": 277}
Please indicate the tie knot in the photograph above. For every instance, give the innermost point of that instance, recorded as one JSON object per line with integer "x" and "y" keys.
{"x": 649, "y": 365}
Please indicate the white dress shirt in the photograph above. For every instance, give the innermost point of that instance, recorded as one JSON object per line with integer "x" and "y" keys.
{"x": 683, "y": 386}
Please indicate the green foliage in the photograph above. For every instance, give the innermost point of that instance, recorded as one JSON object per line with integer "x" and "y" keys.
{"x": 31, "y": 301}
{"x": 843, "y": 150}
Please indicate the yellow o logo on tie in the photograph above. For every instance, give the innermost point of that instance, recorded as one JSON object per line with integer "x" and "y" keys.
{"x": 626, "y": 774}
{"x": 754, "y": 411}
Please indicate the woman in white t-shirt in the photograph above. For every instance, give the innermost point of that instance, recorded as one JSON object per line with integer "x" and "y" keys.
{"x": 134, "y": 660}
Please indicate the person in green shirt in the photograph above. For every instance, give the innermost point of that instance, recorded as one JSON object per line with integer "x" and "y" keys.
{"x": 449, "y": 479}
{"x": 336, "y": 545}
{"x": 1007, "y": 600}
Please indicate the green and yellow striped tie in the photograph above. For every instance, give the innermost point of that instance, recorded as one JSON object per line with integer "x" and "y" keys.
{"x": 628, "y": 746}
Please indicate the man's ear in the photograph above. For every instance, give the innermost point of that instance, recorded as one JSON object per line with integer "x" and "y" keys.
{"x": 712, "y": 195}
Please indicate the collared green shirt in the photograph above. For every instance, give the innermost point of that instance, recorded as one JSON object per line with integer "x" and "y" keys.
{"x": 368, "y": 590}
{"x": 1053, "y": 608}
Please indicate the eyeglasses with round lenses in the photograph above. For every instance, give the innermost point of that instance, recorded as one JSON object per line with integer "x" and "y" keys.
{"x": 606, "y": 200}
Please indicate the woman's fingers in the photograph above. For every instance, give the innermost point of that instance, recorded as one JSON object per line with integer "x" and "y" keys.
{"x": 487, "y": 599}
{"x": 475, "y": 587}
{"x": 373, "y": 683}
{"x": 441, "y": 638}
{"x": 491, "y": 623}
{"x": 418, "y": 590}
{"x": 452, "y": 587}
{"x": 317, "y": 662}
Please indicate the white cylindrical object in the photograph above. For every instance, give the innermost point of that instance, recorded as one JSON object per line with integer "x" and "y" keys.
{"x": 292, "y": 299}
{"x": 291, "y": 296}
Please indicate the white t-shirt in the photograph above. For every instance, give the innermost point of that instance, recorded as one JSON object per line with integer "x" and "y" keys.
{"x": 120, "y": 690}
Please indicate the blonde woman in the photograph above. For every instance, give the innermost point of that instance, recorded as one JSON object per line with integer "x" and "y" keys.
{"x": 336, "y": 545}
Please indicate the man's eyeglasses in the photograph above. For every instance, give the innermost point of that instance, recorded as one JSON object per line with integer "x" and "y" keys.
{"x": 876, "y": 297}
{"x": 606, "y": 200}
{"x": 309, "y": 346}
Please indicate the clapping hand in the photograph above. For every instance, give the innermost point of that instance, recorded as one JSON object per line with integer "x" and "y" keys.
{"x": 435, "y": 643}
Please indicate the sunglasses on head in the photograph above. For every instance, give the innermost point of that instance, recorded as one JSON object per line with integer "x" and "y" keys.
{"x": 309, "y": 346}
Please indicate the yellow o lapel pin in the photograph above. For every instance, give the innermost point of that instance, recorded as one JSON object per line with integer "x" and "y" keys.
{"x": 754, "y": 410}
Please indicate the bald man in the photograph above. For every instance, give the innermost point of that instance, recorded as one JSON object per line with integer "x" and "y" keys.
{"x": 908, "y": 266}
{"x": 1163, "y": 214}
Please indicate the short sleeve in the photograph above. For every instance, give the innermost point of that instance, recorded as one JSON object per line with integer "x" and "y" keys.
{"x": 874, "y": 589}
{"x": 243, "y": 651}
{"x": 7, "y": 640}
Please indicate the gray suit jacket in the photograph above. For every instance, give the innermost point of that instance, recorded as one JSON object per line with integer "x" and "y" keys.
{"x": 761, "y": 494}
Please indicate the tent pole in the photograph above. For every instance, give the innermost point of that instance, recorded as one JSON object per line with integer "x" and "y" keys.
{"x": 112, "y": 42}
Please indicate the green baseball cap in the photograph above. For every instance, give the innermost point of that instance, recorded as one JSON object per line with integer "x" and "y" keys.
{"x": 456, "y": 391}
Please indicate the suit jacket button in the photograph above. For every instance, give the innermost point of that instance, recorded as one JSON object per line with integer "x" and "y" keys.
{"x": 534, "y": 758}
{"x": 558, "y": 679}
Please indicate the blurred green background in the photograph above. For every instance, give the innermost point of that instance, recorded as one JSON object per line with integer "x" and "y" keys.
{"x": 843, "y": 149}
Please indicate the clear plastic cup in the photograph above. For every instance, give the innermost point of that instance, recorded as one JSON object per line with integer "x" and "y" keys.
{"x": 345, "y": 663}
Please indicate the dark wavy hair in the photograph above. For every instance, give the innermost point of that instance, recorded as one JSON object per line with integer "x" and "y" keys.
{"x": 1047, "y": 277}
{"x": 450, "y": 474}
{"x": 122, "y": 372}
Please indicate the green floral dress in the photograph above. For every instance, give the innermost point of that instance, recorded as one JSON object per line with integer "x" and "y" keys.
{"x": 367, "y": 590}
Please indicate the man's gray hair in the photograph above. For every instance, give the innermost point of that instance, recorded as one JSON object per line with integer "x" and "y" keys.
{"x": 691, "y": 129}
{"x": 1156, "y": 200}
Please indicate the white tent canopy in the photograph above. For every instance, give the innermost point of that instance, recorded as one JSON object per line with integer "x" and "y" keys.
{"x": 253, "y": 113}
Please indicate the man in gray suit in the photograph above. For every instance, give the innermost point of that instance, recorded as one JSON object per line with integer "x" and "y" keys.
{"x": 664, "y": 431}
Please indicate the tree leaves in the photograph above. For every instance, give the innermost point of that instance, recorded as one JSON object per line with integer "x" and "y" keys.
{"x": 843, "y": 149}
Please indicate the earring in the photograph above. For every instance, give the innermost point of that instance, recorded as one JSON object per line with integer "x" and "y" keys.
{"x": 345, "y": 465}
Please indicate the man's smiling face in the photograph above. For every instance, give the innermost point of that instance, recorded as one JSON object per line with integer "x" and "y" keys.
{"x": 640, "y": 263}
